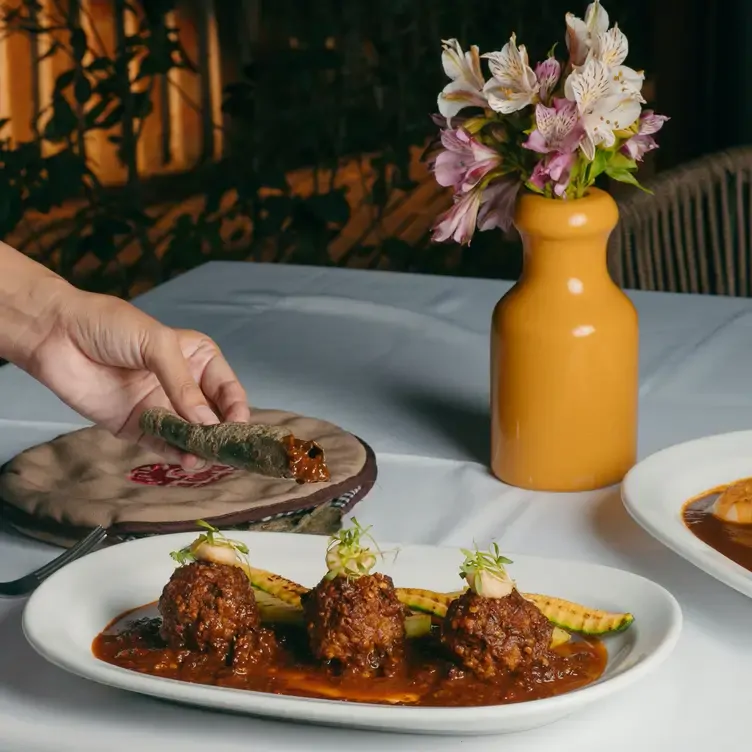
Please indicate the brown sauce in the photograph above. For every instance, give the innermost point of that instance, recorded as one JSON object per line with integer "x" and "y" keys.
{"x": 426, "y": 677}
{"x": 307, "y": 461}
{"x": 733, "y": 540}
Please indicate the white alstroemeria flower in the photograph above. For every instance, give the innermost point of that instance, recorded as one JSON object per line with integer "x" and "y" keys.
{"x": 513, "y": 85}
{"x": 466, "y": 86}
{"x": 581, "y": 33}
{"x": 611, "y": 48}
{"x": 603, "y": 106}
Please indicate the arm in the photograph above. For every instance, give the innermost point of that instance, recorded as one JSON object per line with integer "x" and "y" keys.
{"x": 29, "y": 296}
{"x": 108, "y": 360}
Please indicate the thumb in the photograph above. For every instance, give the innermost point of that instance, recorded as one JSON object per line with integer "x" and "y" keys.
{"x": 164, "y": 358}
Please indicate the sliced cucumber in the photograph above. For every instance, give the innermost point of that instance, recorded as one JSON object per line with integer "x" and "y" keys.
{"x": 426, "y": 601}
{"x": 559, "y": 637}
{"x": 566, "y": 615}
{"x": 280, "y": 587}
{"x": 275, "y": 611}
{"x": 436, "y": 604}
{"x": 417, "y": 625}
{"x": 576, "y": 618}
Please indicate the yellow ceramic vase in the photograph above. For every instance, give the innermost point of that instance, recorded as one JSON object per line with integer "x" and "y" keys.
{"x": 564, "y": 354}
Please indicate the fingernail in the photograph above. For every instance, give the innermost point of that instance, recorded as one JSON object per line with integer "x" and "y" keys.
{"x": 194, "y": 464}
{"x": 206, "y": 416}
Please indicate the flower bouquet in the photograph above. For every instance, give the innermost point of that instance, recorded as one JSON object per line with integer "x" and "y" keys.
{"x": 552, "y": 129}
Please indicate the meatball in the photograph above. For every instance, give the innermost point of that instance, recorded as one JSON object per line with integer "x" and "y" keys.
{"x": 257, "y": 647}
{"x": 495, "y": 636}
{"x": 205, "y": 607}
{"x": 356, "y": 623}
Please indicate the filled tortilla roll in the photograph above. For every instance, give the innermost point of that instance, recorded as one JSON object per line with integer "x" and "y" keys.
{"x": 257, "y": 448}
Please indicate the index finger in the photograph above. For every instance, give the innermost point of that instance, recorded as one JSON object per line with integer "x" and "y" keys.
{"x": 221, "y": 387}
{"x": 164, "y": 357}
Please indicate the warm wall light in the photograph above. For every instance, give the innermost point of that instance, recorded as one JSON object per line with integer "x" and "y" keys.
{"x": 27, "y": 83}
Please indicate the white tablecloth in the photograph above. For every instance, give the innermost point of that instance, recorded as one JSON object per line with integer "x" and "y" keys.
{"x": 402, "y": 361}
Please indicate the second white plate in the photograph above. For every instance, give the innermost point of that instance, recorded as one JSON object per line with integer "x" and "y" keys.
{"x": 68, "y": 610}
{"x": 656, "y": 489}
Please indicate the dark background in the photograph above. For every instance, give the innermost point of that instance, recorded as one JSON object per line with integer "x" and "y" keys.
{"x": 313, "y": 155}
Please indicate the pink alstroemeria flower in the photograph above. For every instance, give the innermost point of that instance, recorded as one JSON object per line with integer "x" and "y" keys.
{"x": 498, "y": 203}
{"x": 643, "y": 142}
{"x": 547, "y": 72}
{"x": 558, "y": 128}
{"x": 458, "y": 223}
{"x": 464, "y": 162}
{"x": 555, "y": 168}
{"x": 443, "y": 122}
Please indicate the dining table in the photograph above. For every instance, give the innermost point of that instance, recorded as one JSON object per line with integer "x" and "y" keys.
{"x": 402, "y": 361}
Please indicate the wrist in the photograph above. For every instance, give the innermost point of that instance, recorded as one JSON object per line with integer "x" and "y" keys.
{"x": 31, "y": 298}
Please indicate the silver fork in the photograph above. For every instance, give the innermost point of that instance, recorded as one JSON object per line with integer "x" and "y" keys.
{"x": 26, "y": 584}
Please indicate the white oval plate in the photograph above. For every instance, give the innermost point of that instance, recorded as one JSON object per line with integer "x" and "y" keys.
{"x": 655, "y": 490}
{"x": 69, "y": 609}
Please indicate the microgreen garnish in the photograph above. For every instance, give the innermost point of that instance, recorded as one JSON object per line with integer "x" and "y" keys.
{"x": 212, "y": 537}
{"x": 481, "y": 567}
{"x": 346, "y": 554}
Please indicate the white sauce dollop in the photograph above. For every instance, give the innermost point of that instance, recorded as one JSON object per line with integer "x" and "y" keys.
{"x": 216, "y": 554}
{"x": 489, "y": 585}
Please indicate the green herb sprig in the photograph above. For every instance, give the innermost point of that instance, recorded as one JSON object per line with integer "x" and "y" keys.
{"x": 481, "y": 561}
{"x": 212, "y": 537}
{"x": 347, "y": 555}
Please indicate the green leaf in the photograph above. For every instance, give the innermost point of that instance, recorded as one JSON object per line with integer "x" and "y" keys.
{"x": 65, "y": 171}
{"x": 150, "y": 66}
{"x": 64, "y": 80}
{"x": 82, "y": 90}
{"x": 398, "y": 252}
{"x": 624, "y": 176}
{"x": 63, "y": 121}
{"x": 94, "y": 113}
{"x": 533, "y": 188}
{"x": 100, "y": 243}
{"x": 597, "y": 166}
{"x": 184, "y": 556}
{"x": 113, "y": 117}
{"x": 78, "y": 43}
{"x": 330, "y": 208}
{"x": 621, "y": 161}
{"x": 99, "y": 64}
{"x": 49, "y": 52}
{"x": 114, "y": 226}
{"x": 475, "y": 124}
{"x": 142, "y": 105}
{"x": 273, "y": 177}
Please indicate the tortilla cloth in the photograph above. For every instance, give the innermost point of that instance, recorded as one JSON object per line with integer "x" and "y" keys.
{"x": 58, "y": 491}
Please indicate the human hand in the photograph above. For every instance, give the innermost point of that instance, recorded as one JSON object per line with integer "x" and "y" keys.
{"x": 110, "y": 361}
